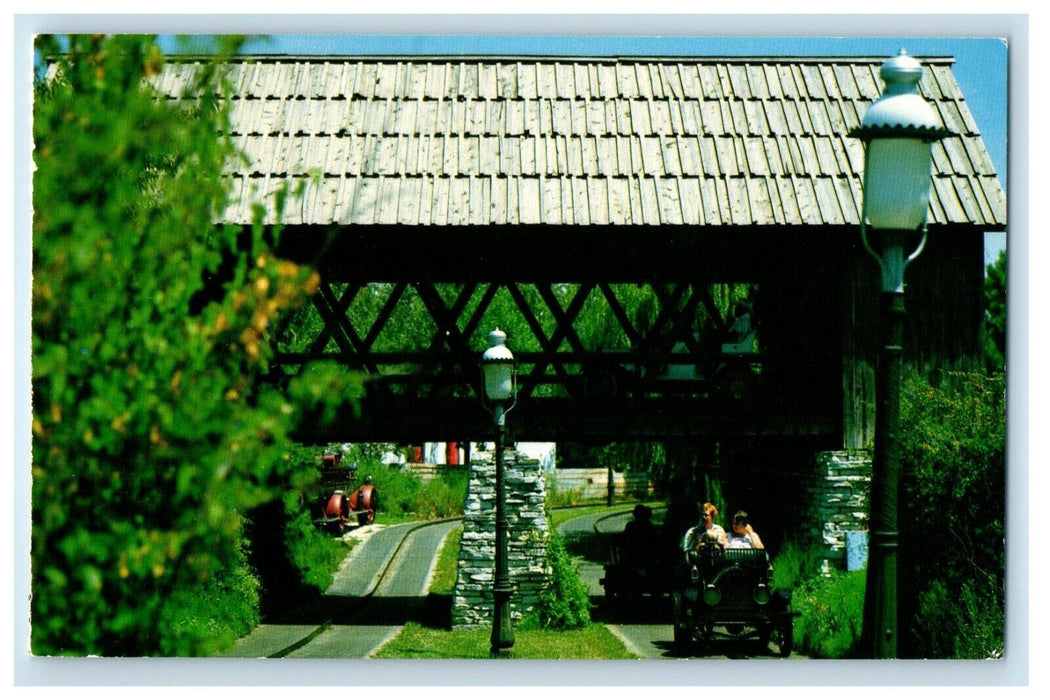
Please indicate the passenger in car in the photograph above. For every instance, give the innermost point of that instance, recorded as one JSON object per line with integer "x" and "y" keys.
{"x": 744, "y": 536}
{"x": 706, "y": 531}
{"x": 639, "y": 535}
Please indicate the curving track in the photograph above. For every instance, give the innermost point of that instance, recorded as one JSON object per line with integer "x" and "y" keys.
{"x": 383, "y": 584}
{"x": 380, "y": 586}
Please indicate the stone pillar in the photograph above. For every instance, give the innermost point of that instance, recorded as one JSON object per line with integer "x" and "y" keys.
{"x": 839, "y": 496}
{"x": 526, "y": 539}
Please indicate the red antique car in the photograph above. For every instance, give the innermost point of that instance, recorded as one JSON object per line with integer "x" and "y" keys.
{"x": 341, "y": 506}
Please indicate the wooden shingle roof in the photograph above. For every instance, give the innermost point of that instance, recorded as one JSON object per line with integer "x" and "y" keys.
{"x": 479, "y": 141}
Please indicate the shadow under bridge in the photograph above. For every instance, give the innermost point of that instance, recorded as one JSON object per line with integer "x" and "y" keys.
{"x": 693, "y": 334}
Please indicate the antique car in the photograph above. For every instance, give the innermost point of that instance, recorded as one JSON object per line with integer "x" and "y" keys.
{"x": 725, "y": 594}
{"x": 340, "y": 505}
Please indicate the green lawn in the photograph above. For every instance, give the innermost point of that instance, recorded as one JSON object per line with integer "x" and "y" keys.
{"x": 444, "y": 578}
{"x": 591, "y": 642}
{"x": 560, "y": 515}
{"x": 420, "y": 641}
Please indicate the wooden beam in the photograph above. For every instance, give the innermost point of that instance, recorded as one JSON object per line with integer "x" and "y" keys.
{"x": 553, "y": 419}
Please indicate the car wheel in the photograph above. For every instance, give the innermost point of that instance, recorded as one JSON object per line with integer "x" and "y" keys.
{"x": 683, "y": 639}
{"x": 783, "y": 639}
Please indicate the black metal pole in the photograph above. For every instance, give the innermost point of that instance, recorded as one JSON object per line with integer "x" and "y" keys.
{"x": 880, "y": 632}
{"x": 502, "y": 634}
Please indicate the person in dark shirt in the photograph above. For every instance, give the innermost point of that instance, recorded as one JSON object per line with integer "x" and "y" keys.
{"x": 639, "y": 535}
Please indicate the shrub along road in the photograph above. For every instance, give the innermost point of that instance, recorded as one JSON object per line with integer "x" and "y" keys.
{"x": 351, "y": 620}
{"x": 646, "y": 627}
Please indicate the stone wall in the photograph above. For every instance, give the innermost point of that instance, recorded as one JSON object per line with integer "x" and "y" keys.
{"x": 839, "y": 496}
{"x": 526, "y": 539}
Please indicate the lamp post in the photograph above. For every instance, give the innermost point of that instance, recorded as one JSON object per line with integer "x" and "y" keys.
{"x": 497, "y": 367}
{"x": 898, "y": 131}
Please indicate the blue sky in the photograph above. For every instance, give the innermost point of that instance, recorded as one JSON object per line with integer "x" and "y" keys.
{"x": 981, "y": 63}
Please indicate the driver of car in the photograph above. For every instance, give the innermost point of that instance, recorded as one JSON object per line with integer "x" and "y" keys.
{"x": 706, "y": 531}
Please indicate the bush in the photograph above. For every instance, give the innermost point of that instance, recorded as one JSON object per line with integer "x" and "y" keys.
{"x": 564, "y": 604}
{"x": 794, "y": 564}
{"x": 954, "y": 479}
{"x": 832, "y": 614}
{"x": 832, "y": 608}
{"x": 403, "y": 493}
{"x": 205, "y": 620}
{"x": 951, "y": 593}
{"x": 294, "y": 560}
{"x": 315, "y": 555}
{"x": 152, "y": 435}
{"x": 444, "y": 496}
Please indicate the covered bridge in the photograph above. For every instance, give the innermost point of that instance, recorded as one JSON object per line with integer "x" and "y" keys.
{"x": 442, "y": 196}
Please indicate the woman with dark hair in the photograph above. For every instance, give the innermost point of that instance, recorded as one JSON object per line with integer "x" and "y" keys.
{"x": 743, "y": 536}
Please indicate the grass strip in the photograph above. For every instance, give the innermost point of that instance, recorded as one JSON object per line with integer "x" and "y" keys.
{"x": 419, "y": 642}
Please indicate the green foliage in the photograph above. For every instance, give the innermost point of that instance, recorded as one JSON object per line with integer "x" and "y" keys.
{"x": 795, "y": 564}
{"x": 403, "y": 492}
{"x": 995, "y": 314}
{"x": 951, "y": 573}
{"x": 444, "y": 579}
{"x": 555, "y": 497}
{"x": 564, "y": 604}
{"x": 966, "y": 624}
{"x": 444, "y": 496}
{"x": 209, "y": 618}
{"x": 622, "y": 456}
{"x": 314, "y": 554}
{"x": 151, "y": 434}
{"x": 832, "y": 614}
{"x": 399, "y": 488}
{"x": 954, "y": 473}
{"x": 832, "y": 608}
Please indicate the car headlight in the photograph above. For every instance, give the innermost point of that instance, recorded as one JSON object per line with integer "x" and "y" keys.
{"x": 761, "y": 594}
{"x": 712, "y": 596}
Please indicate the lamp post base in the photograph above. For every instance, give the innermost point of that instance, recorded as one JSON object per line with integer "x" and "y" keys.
{"x": 502, "y": 639}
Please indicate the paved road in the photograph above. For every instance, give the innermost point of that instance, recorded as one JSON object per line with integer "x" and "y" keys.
{"x": 352, "y": 620}
{"x": 356, "y": 616}
{"x": 646, "y": 628}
